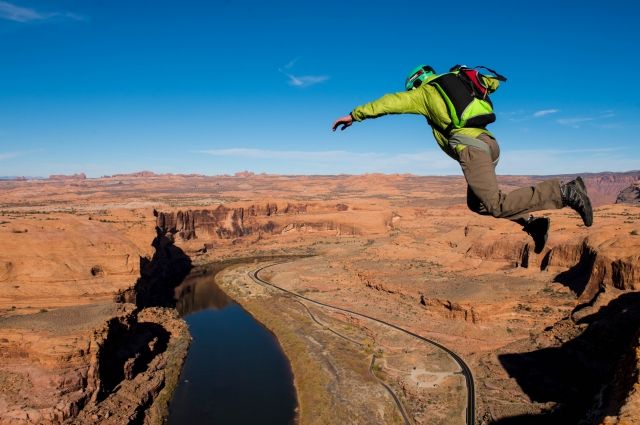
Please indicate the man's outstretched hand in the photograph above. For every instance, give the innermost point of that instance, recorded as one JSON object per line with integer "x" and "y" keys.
{"x": 345, "y": 122}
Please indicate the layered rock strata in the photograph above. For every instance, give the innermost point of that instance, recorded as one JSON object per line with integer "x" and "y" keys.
{"x": 80, "y": 373}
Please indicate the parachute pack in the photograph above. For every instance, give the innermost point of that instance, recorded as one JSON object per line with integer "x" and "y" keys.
{"x": 467, "y": 97}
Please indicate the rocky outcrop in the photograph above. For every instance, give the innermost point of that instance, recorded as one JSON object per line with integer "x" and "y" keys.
{"x": 159, "y": 276}
{"x": 590, "y": 267}
{"x": 222, "y": 222}
{"x": 584, "y": 264}
{"x": 134, "y": 367}
{"x": 629, "y": 195}
{"x": 236, "y": 222}
{"x": 78, "y": 176}
{"x": 450, "y": 310}
{"x": 115, "y": 367}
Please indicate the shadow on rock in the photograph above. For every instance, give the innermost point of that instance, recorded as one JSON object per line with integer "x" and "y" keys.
{"x": 577, "y": 277}
{"x": 572, "y": 375}
{"x": 159, "y": 276}
{"x": 128, "y": 350}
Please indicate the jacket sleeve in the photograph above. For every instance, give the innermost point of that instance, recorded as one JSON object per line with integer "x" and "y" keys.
{"x": 409, "y": 102}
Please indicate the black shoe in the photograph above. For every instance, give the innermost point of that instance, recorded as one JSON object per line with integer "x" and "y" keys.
{"x": 574, "y": 195}
{"x": 538, "y": 228}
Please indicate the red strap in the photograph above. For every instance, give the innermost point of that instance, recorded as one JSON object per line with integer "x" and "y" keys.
{"x": 473, "y": 75}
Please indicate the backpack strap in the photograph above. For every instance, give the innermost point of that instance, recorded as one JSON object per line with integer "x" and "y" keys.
{"x": 498, "y": 76}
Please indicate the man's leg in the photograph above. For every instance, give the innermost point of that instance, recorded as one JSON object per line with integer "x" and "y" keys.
{"x": 536, "y": 227}
{"x": 479, "y": 171}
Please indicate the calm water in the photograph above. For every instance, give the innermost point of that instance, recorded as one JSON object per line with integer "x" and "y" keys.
{"x": 235, "y": 372}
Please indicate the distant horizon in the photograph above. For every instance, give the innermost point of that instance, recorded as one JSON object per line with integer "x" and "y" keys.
{"x": 248, "y": 173}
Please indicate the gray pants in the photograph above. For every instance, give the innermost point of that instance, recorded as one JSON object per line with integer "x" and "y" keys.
{"x": 483, "y": 194}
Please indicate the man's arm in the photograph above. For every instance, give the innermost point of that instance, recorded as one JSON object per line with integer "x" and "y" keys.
{"x": 410, "y": 102}
{"x": 407, "y": 102}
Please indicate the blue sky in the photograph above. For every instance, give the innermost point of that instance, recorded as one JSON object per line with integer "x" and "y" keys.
{"x": 216, "y": 87}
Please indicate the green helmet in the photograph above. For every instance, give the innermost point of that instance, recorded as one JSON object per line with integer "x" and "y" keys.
{"x": 417, "y": 76}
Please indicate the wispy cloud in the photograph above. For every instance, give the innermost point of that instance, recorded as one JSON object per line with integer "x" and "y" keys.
{"x": 291, "y": 63}
{"x": 301, "y": 80}
{"x": 15, "y": 13}
{"x": 576, "y": 122}
{"x": 11, "y": 12}
{"x": 544, "y": 112}
{"x": 305, "y": 80}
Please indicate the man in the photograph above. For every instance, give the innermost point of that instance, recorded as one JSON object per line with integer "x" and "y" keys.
{"x": 475, "y": 148}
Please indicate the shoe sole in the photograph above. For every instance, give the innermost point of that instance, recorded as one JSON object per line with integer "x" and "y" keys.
{"x": 588, "y": 221}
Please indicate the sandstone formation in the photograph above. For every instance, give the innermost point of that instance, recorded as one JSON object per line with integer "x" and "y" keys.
{"x": 89, "y": 265}
{"x": 629, "y": 195}
{"x": 97, "y": 363}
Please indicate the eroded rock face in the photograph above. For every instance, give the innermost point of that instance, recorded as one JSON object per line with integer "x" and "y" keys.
{"x": 584, "y": 263}
{"x": 630, "y": 195}
{"x": 159, "y": 275}
{"x": 236, "y": 222}
{"x": 83, "y": 374}
{"x": 451, "y": 310}
{"x": 135, "y": 368}
{"x": 603, "y": 187}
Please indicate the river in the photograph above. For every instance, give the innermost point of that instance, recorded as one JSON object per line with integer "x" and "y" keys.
{"x": 235, "y": 372}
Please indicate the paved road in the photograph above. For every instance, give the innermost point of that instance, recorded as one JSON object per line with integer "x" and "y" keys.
{"x": 464, "y": 369}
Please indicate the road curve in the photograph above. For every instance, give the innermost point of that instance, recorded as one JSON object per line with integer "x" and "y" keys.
{"x": 464, "y": 369}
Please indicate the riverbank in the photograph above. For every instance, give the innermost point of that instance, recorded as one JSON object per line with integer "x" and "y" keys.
{"x": 331, "y": 353}
{"x": 333, "y": 386}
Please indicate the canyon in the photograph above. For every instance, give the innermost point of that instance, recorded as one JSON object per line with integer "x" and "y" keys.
{"x": 90, "y": 270}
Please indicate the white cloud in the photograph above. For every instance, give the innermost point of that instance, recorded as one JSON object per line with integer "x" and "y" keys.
{"x": 11, "y": 12}
{"x": 305, "y": 80}
{"x": 574, "y": 122}
{"x": 19, "y": 14}
{"x": 301, "y": 80}
{"x": 291, "y": 63}
{"x": 577, "y": 121}
{"x": 544, "y": 112}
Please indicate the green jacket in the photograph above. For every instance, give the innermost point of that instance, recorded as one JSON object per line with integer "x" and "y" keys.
{"x": 425, "y": 101}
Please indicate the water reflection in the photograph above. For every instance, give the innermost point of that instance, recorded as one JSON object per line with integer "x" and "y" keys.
{"x": 235, "y": 372}
{"x": 198, "y": 292}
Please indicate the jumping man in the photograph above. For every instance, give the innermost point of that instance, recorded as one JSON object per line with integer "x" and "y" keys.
{"x": 457, "y": 108}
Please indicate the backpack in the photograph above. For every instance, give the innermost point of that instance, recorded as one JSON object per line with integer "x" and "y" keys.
{"x": 466, "y": 97}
